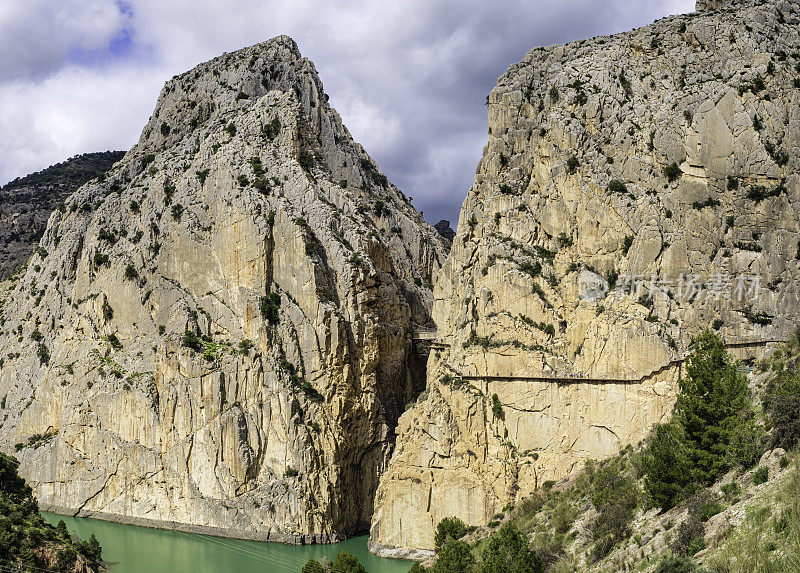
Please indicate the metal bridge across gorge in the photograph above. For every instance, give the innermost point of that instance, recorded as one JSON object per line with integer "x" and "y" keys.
{"x": 738, "y": 348}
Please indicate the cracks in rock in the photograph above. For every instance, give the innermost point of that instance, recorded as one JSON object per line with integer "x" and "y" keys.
{"x": 528, "y": 410}
{"x": 612, "y": 432}
{"x": 99, "y": 491}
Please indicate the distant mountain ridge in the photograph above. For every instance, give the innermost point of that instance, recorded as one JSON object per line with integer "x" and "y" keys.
{"x": 26, "y": 203}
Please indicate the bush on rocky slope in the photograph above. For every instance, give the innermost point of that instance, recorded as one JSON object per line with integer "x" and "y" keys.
{"x": 616, "y": 513}
{"x": 27, "y": 541}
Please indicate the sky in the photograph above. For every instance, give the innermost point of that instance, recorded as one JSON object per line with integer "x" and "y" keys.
{"x": 408, "y": 77}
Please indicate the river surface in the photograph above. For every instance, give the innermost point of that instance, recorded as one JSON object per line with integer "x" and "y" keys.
{"x": 133, "y": 549}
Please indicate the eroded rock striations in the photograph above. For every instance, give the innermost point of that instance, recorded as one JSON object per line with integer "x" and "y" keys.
{"x": 26, "y": 203}
{"x": 218, "y": 334}
{"x": 637, "y": 161}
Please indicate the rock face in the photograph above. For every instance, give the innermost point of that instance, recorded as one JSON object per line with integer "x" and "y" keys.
{"x": 217, "y": 335}
{"x": 26, "y": 203}
{"x": 629, "y": 163}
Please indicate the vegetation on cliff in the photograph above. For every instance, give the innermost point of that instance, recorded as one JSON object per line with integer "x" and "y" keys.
{"x": 27, "y": 541}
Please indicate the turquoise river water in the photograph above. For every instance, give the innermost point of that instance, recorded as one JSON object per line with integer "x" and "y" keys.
{"x": 133, "y": 549}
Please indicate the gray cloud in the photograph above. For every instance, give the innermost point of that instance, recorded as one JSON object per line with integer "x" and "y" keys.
{"x": 409, "y": 78}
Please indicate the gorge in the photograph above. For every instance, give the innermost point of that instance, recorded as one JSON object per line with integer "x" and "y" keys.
{"x": 244, "y": 329}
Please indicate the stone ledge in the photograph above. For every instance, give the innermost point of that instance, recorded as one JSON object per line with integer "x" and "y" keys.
{"x": 300, "y": 539}
{"x": 399, "y": 552}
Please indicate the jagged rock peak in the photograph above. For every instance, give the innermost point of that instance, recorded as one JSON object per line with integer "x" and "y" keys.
{"x": 229, "y": 310}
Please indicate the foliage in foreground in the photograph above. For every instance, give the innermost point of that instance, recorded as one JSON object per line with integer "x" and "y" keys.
{"x": 25, "y": 536}
{"x": 344, "y": 563}
{"x": 769, "y": 538}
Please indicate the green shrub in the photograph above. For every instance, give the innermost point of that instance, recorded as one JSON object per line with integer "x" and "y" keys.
{"x": 108, "y": 312}
{"x": 497, "y": 407}
{"x": 202, "y": 175}
{"x": 690, "y": 537}
{"x": 272, "y": 129}
{"x": 113, "y": 340}
{"x": 165, "y": 129}
{"x": 131, "y": 273}
{"x": 454, "y": 557}
{"x": 782, "y": 397}
{"x": 563, "y": 517}
{"x": 672, "y": 172}
{"x": 746, "y": 444}
{"x": 708, "y": 510}
{"x": 270, "y": 305}
{"x": 449, "y": 528}
{"x": 675, "y": 565}
{"x": 666, "y": 465}
{"x": 311, "y": 392}
{"x": 306, "y": 160}
{"x": 508, "y": 550}
{"x": 231, "y": 129}
{"x": 100, "y": 259}
{"x": 291, "y": 472}
{"x": 710, "y": 202}
{"x": 105, "y": 235}
{"x": 572, "y": 164}
{"x": 313, "y": 566}
{"x": 615, "y": 496}
{"x": 731, "y": 490}
{"x": 43, "y": 353}
{"x": 617, "y": 186}
{"x": 191, "y": 340}
{"x": 347, "y": 563}
{"x": 761, "y": 475}
{"x": 627, "y": 243}
{"x": 261, "y": 185}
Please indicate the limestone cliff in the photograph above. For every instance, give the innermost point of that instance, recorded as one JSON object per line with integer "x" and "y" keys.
{"x": 616, "y": 169}
{"x": 218, "y": 333}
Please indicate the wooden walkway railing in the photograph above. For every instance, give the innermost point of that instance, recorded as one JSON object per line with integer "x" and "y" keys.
{"x": 564, "y": 380}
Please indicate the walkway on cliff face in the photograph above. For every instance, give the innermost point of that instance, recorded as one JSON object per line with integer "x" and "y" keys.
{"x": 429, "y": 336}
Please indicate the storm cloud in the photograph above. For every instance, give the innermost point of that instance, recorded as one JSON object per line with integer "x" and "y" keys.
{"x": 409, "y": 77}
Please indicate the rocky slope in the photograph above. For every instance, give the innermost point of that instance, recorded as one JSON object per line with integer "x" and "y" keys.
{"x": 218, "y": 335}
{"x": 616, "y": 168}
{"x": 26, "y": 203}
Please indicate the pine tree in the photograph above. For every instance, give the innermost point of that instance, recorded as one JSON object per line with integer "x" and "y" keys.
{"x": 714, "y": 400}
